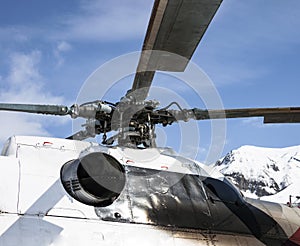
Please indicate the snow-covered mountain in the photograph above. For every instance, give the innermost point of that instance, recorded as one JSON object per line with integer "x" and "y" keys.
{"x": 272, "y": 174}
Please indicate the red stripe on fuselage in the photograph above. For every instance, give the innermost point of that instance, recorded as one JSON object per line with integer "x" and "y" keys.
{"x": 294, "y": 239}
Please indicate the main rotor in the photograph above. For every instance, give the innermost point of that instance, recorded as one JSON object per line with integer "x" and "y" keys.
{"x": 135, "y": 121}
{"x": 174, "y": 32}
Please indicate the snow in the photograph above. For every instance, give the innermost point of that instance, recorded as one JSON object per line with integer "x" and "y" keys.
{"x": 260, "y": 171}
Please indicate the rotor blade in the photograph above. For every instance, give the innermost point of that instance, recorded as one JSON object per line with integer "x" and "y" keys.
{"x": 271, "y": 115}
{"x": 81, "y": 135}
{"x": 35, "y": 108}
{"x": 175, "y": 26}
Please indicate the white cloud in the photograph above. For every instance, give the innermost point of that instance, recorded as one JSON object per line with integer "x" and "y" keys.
{"x": 108, "y": 21}
{"x": 19, "y": 124}
{"x": 24, "y": 84}
{"x": 93, "y": 21}
{"x": 23, "y": 69}
{"x": 61, "y": 48}
{"x": 19, "y": 34}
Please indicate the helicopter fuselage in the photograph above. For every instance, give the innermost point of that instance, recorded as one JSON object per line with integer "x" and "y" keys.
{"x": 155, "y": 197}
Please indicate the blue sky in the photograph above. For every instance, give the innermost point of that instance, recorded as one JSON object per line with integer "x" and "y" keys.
{"x": 251, "y": 53}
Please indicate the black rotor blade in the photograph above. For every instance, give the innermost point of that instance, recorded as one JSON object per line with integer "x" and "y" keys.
{"x": 35, "y": 108}
{"x": 175, "y": 26}
{"x": 271, "y": 115}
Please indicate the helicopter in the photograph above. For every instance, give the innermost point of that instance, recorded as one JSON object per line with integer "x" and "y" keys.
{"x": 126, "y": 190}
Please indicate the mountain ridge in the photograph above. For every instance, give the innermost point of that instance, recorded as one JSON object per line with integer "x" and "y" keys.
{"x": 271, "y": 174}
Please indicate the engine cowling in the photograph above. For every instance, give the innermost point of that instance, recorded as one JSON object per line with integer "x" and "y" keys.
{"x": 96, "y": 179}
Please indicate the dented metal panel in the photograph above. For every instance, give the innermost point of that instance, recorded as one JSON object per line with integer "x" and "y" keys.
{"x": 190, "y": 201}
{"x": 160, "y": 198}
